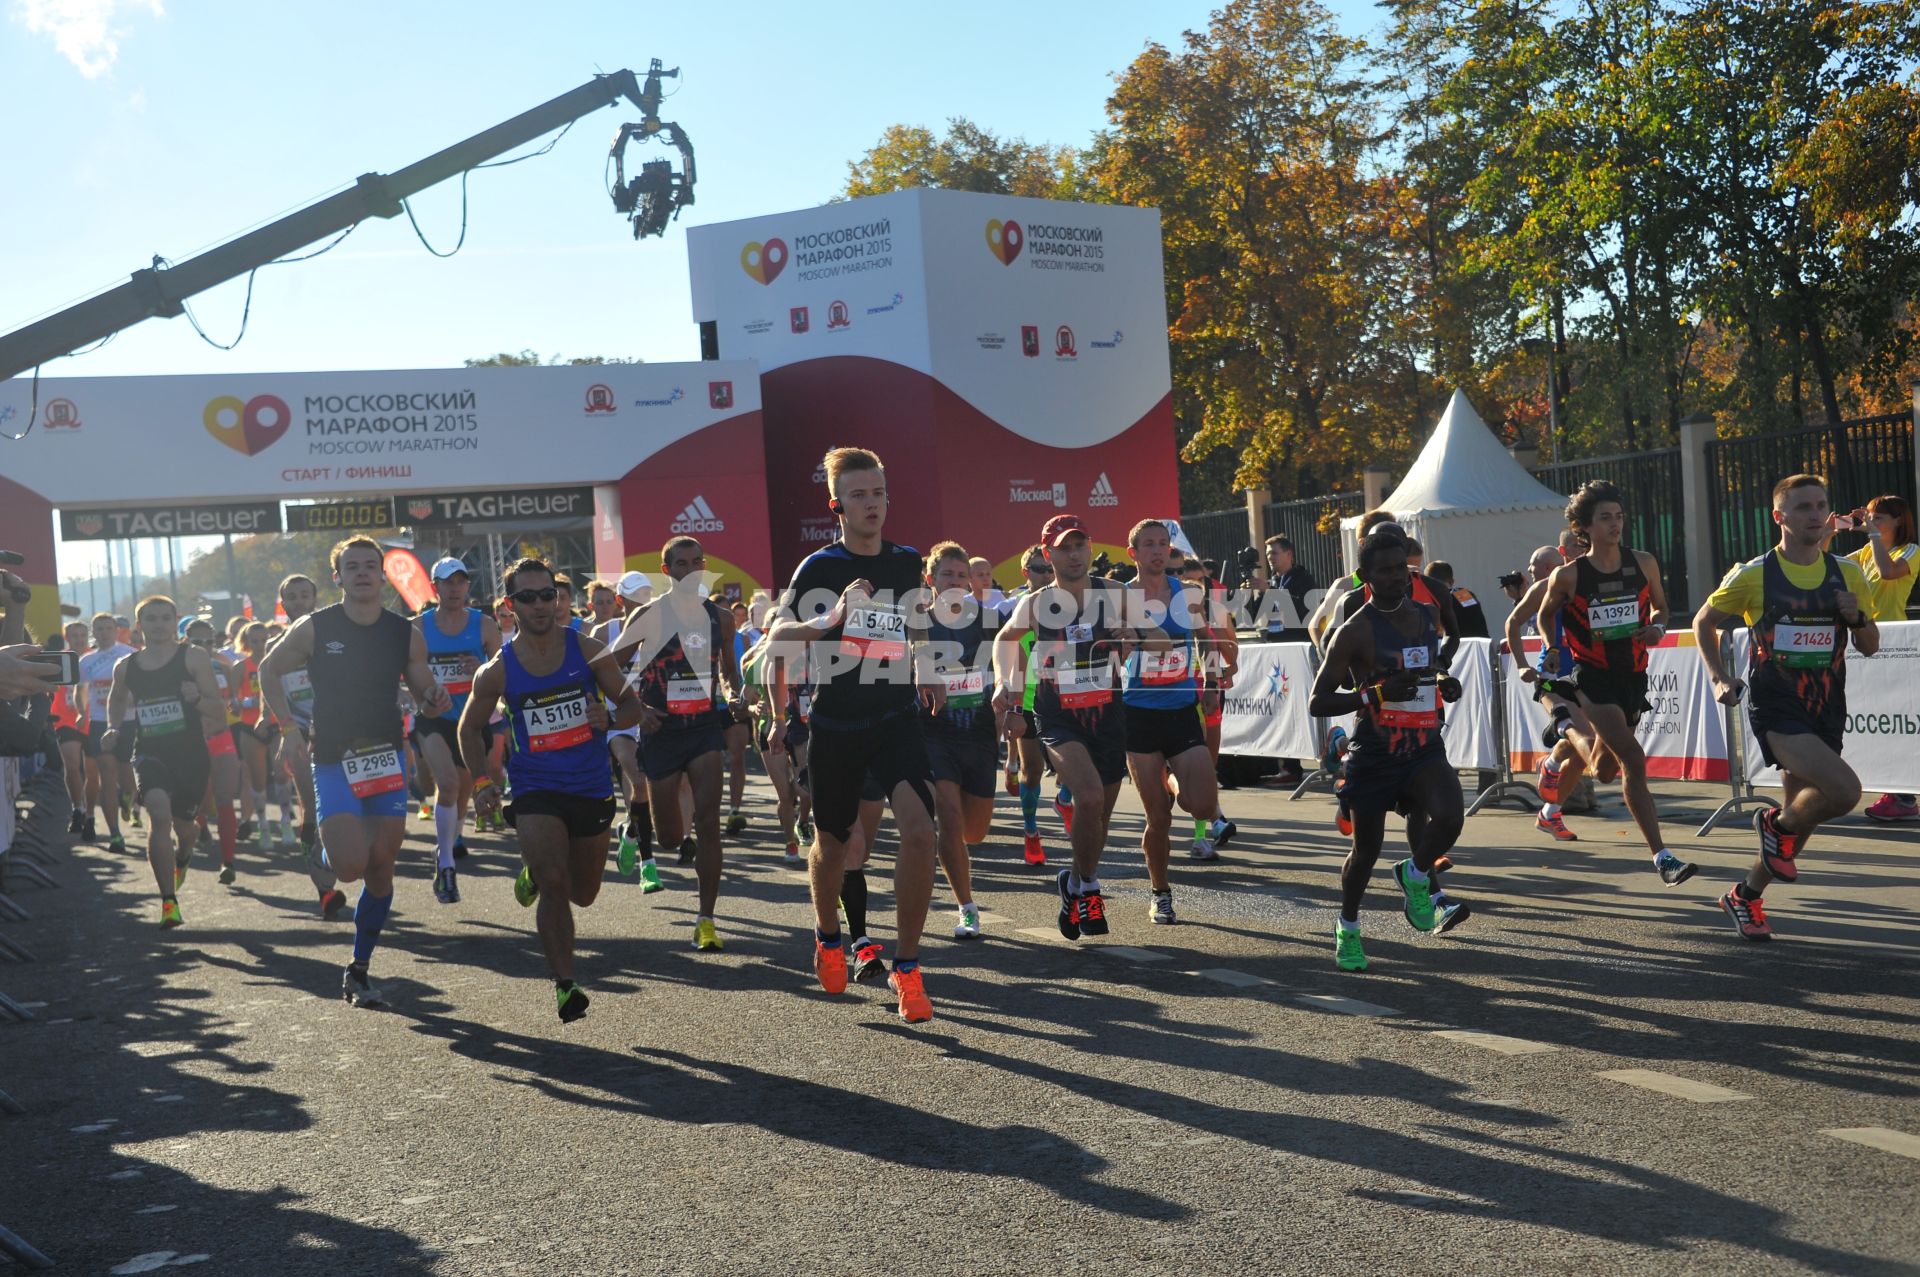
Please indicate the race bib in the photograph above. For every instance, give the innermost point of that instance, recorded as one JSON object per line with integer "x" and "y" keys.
{"x": 372, "y": 769}
{"x": 1158, "y": 669}
{"x": 556, "y": 719}
{"x": 1614, "y": 618}
{"x": 1803, "y": 646}
{"x": 965, "y": 689}
{"x": 299, "y": 693}
{"x": 688, "y": 695}
{"x": 1079, "y": 634}
{"x": 875, "y": 630}
{"x": 1084, "y": 687}
{"x": 1414, "y": 658}
{"x": 1422, "y": 711}
{"x": 451, "y": 669}
{"x": 161, "y": 718}
{"x": 97, "y": 693}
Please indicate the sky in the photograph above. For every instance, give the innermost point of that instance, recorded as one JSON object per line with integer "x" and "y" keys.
{"x": 144, "y": 127}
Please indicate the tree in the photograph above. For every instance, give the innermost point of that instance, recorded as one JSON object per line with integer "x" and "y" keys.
{"x": 969, "y": 158}
{"x": 530, "y": 358}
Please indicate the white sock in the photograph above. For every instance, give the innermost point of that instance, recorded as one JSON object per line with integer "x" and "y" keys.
{"x": 446, "y": 827}
{"x": 1345, "y": 927}
{"x": 1413, "y": 873}
{"x": 1662, "y": 852}
{"x": 1550, "y": 810}
{"x": 1089, "y": 886}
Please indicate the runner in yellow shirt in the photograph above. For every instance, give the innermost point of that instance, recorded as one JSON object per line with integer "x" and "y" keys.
{"x": 1888, "y": 559}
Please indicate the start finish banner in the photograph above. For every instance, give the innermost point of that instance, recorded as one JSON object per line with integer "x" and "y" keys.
{"x": 1882, "y": 743}
{"x": 1684, "y": 734}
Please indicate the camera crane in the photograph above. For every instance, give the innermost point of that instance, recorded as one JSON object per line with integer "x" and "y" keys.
{"x": 651, "y": 200}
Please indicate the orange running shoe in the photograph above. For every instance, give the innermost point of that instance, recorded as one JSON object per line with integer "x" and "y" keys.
{"x": 1035, "y": 853}
{"x": 914, "y": 1006}
{"x": 831, "y": 966}
{"x": 1777, "y": 847}
{"x": 1549, "y": 785}
{"x": 1556, "y": 826}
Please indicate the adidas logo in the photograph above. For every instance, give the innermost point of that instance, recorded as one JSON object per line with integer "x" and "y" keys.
{"x": 698, "y": 517}
{"x": 1103, "y": 492}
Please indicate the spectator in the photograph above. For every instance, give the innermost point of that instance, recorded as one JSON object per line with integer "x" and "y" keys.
{"x": 1286, "y": 583}
{"x": 1473, "y": 617}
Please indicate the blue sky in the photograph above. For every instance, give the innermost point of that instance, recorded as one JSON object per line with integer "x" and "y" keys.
{"x": 139, "y": 127}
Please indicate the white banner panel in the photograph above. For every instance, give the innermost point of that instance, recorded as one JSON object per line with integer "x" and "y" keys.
{"x": 1468, "y": 728}
{"x": 1266, "y": 708}
{"x": 1684, "y": 734}
{"x": 1882, "y": 743}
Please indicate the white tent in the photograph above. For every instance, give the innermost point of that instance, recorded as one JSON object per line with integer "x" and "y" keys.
{"x": 1466, "y": 500}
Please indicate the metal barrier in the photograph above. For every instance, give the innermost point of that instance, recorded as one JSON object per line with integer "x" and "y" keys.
{"x": 1523, "y": 791}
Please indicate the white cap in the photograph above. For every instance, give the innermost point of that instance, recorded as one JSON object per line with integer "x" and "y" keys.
{"x": 633, "y": 585}
{"x": 447, "y": 567}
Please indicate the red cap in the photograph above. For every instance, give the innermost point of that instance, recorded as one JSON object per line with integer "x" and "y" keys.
{"x": 1058, "y": 527}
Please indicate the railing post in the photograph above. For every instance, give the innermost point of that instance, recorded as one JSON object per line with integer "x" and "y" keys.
{"x": 1696, "y": 431}
{"x": 1374, "y": 487}
{"x": 1257, "y": 499}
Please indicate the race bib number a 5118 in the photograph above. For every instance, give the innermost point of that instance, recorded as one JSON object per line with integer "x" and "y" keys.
{"x": 556, "y": 720}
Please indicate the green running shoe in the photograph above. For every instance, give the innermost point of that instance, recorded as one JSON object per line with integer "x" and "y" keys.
{"x": 650, "y": 878}
{"x": 525, "y": 889}
{"x": 116, "y": 843}
{"x": 571, "y": 1002}
{"x": 629, "y": 857}
{"x": 1419, "y": 895}
{"x": 1347, "y": 954}
{"x": 736, "y": 822}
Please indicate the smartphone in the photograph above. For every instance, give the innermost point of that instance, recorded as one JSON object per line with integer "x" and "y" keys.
{"x": 69, "y": 663}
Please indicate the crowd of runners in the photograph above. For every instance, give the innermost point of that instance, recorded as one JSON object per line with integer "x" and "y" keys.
{"x": 887, "y": 681}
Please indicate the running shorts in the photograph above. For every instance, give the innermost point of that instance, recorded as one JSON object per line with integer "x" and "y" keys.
{"x": 122, "y": 744}
{"x": 971, "y": 762}
{"x": 182, "y": 775}
{"x": 1626, "y": 689}
{"x": 1787, "y": 717}
{"x": 1380, "y": 780}
{"x": 333, "y": 796}
{"x": 220, "y": 745}
{"x": 844, "y": 762}
{"x": 65, "y": 734}
{"x": 448, "y": 730}
{"x": 1106, "y": 744}
{"x": 662, "y": 754}
{"x": 1166, "y": 732}
{"x": 584, "y": 817}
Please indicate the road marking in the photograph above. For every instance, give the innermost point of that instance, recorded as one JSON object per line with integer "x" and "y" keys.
{"x": 155, "y": 1210}
{"x": 1130, "y": 953}
{"x": 1345, "y": 1006}
{"x": 1226, "y": 975}
{"x": 93, "y": 1128}
{"x": 1495, "y": 1042}
{"x": 1880, "y": 1137}
{"x": 1042, "y": 933}
{"x": 1679, "y": 1087}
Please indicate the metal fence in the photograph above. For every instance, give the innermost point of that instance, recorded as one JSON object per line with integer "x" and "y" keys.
{"x": 1300, "y": 522}
{"x": 1656, "y": 507}
{"x": 1218, "y": 535}
{"x": 1861, "y": 459}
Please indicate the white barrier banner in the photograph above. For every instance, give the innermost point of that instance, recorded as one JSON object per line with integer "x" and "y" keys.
{"x": 1882, "y": 743}
{"x": 1468, "y": 729}
{"x": 1265, "y": 711}
{"x": 1684, "y": 734}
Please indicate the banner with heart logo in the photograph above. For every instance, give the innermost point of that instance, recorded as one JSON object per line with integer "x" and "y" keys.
{"x": 251, "y": 427}
{"x": 764, "y": 261}
{"x": 1005, "y": 239}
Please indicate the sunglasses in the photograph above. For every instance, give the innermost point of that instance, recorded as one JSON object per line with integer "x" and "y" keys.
{"x": 547, "y": 595}
{"x": 1040, "y": 569}
{"x": 205, "y": 642}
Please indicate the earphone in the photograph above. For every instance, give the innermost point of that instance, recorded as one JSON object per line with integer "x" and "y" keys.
{"x": 833, "y": 504}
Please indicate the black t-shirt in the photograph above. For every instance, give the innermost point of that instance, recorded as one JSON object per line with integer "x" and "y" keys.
{"x": 356, "y": 670}
{"x": 862, "y": 671}
{"x": 1284, "y": 624}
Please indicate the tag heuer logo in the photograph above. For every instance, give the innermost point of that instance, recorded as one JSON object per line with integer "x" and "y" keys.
{"x": 697, "y": 517}
{"x": 420, "y": 509}
{"x": 89, "y": 524}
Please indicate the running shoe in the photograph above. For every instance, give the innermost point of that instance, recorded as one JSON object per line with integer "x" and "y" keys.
{"x": 1891, "y": 807}
{"x": 1347, "y": 954}
{"x": 245, "y": 832}
{"x": 1549, "y": 782}
{"x": 688, "y": 850}
{"x": 914, "y": 1007}
{"x": 736, "y": 821}
{"x": 1419, "y": 897}
{"x": 1222, "y": 831}
{"x": 131, "y": 812}
{"x": 459, "y": 848}
{"x": 1555, "y": 826}
{"x": 525, "y": 889}
{"x": 650, "y": 878}
{"x": 1450, "y": 913}
{"x": 1202, "y": 849}
{"x": 869, "y": 967}
{"x": 180, "y": 872}
{"x": 1778, "y": 848}
{"x": 629, "y": 857}
{"x": 1672, "y": 870}
{"x": 830, "y": 966}
{"x": 705, "y": 938}
{"x": 360, "y": 991}
{"x": 804, "y": 827}
{"x": 1441, "y": 864}
{"x": 1160, "y": 908}
{"x": 332, "y": 904}
{"x": 170, "y": 915}
{"x": 1064, "y": 810}
{"x": 116, "y": 843}
{"x": 1342, "y": 814}
{"x": 1749, "y": 916}
{"x": 288, "y": 839}
{"x": 968, "y": 925}
{"x": 77, "y": 822}
{"x": 1550, "y": 734}
{"x": 571, "y": 1002}
{"x": 1069, "y": 908}
{"x": 92, "y": 832}
{"x": 203, "y": 839}
{"x": 1033, "y": 851}
{"x": 426, "y": 809}
{"x": 1335, "y": 751}
{"x": 262, "y": 837}
{"x": 793, "y": 859}
{"x": 227, "y": 875}
{"x": 446, "y": 886}
{"x": 1093, "y": 913}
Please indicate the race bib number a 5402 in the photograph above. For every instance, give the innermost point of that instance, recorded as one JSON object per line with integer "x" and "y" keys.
{"x": 875, "y": 630}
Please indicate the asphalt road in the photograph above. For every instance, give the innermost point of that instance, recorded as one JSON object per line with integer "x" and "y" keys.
{"x": 1593, "y": 1074}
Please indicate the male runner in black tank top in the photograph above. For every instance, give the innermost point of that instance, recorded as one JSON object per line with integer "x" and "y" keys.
{"x": 1389, "y": 651}
{"x": 356, "y": 653}
{"x": 1611, "y": 607}
{"x": 169, "y": 685}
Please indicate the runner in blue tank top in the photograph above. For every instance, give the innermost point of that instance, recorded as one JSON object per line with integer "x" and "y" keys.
{"x": 1389, "y": 650}
{"x": 458, "y": 639}
{"x": 562, "y": 788}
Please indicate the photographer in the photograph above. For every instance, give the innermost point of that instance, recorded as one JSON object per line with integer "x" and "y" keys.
{"x": 1281, "y": 599}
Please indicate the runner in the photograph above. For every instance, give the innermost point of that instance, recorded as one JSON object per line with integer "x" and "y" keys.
{"x": 1165, "y": 728}
{"x": 223, "y": 758}
{"x": 770, "y": 741}
{"x": 458, "y": 639}
{"x": 739, "y": 733}
{"x": 963, "y": 737}
{"x": 1080, "y": 632}
{"x": 603, "y": 601}
{"x": 635, "y": 852}
{"x": 168, "y": 685}
{"x": 1026, "y": 757}
{"x": 254, "y": 735}
{"x": 1888, "y": 560}
{"x": 1219, "y": 667}
{"x": 850, "y": 605}
{"x": 1799, "y": 602}
{"x": 68, "y": 718}
{"x": 686, "y": 674}
{"x": 114, "y": 767}
{"x": 1390, "y": 652}
{"x": 562, "y": 789}
{"x": 298, "y": 595}
{"x": 356, "y": 652}
{"x": 1615, "y": 608}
